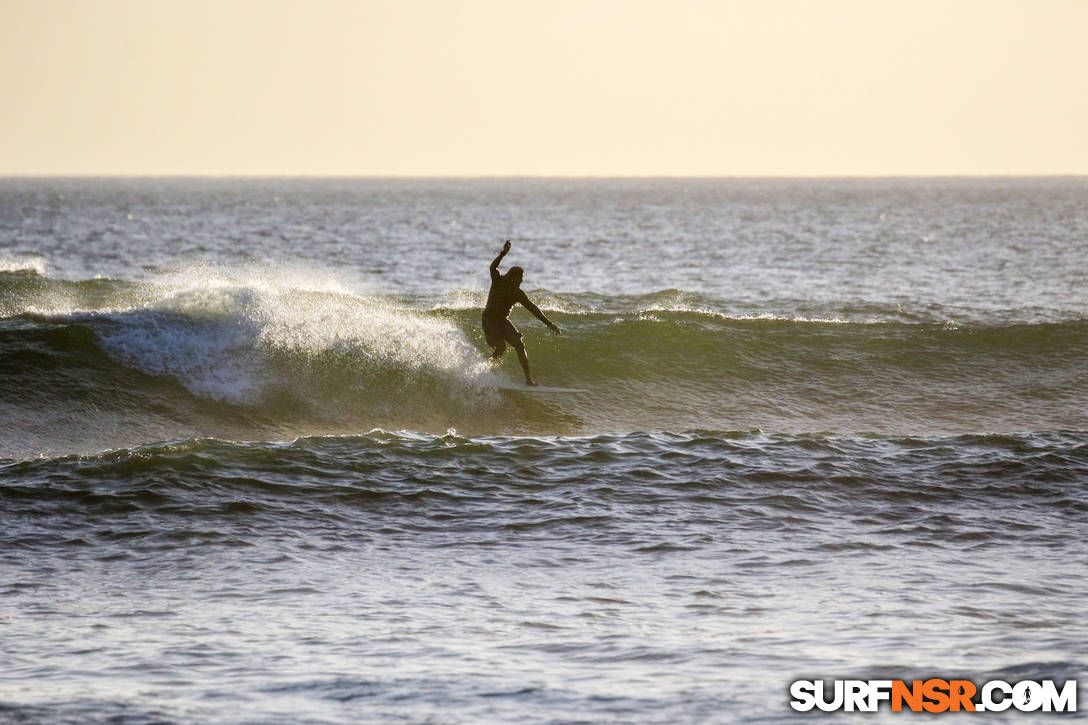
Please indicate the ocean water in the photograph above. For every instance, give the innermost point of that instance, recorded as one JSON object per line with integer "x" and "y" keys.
{"x": 255, "y": 466}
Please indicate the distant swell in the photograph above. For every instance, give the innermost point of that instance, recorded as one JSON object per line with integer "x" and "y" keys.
{"x": 107, "y": 364}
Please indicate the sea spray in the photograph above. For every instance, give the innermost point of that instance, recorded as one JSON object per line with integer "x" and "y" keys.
{"x": 265, "y": 353}
{"x": 811, "y": 445}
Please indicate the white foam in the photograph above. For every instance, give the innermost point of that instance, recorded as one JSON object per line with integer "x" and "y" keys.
{"x": 217, "y": 330}
{"x": 211, "y": 353}
{"x": 23, "y": 263}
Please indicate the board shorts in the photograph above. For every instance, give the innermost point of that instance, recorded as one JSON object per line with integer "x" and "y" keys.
{"x": 499, "y": 330}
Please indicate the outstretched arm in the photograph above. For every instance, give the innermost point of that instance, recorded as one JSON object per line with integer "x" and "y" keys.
{"x": 528, "y": 304}
{"x": 495, "y": 263}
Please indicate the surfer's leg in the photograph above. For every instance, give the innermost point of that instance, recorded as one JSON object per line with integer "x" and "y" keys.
{"x": 495, "y": 334}
{"x": 514, "y": 338}
{"x": 523, "y": 358}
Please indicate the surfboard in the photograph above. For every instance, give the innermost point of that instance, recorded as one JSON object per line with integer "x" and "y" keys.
{"x": 540, "y": 389}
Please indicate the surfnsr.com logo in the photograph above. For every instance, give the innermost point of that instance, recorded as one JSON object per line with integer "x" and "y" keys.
{"x": 934, "y": 695}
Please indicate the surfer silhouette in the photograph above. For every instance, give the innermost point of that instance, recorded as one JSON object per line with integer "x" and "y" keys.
{"x": 505, "y": 293}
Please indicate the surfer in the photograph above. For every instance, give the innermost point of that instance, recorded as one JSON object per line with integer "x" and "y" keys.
{"x": 505, "y": 293}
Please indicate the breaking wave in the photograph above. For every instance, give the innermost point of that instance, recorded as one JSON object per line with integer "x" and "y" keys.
{"x": 234, "y": 355}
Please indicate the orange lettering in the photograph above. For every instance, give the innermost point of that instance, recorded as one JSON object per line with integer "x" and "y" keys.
{"x": 961, "y": 692}
{"x": 912, "y": 695}
{"x": 936, "y": 691}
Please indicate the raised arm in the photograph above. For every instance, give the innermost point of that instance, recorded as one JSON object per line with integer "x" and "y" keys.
{"x": 528, "y": 304}
{"x": 495, "y": 263}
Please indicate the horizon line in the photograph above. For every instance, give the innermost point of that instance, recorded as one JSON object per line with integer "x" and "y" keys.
{"x": 468, "y": 177}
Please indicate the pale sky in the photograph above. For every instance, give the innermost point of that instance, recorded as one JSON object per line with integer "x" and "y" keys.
{"x": 544, "y": 87}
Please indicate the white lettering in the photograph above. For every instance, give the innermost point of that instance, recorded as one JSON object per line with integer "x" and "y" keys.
{"x": 988, "y": 701}
{"x": 879, "y": 690}
{"x": 1027, "y": 696}
{"x": 804, "y": 695}
{"x": 856, "y": 695}
{"x": 1064, "y": 701}
{"x": 829, "y": 705}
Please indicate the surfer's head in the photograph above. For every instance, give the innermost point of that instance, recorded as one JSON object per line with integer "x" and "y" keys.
{"x": 515, "y": 274}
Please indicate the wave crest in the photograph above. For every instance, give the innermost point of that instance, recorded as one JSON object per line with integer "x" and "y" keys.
{"x": 240, "y": 354}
